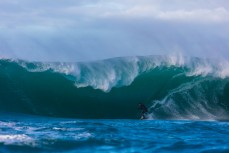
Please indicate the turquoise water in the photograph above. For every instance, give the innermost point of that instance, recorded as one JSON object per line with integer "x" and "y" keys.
{"x": 171, "y": 88}
{"x": 92, "y": 106}
{"x": 22, "y": 133}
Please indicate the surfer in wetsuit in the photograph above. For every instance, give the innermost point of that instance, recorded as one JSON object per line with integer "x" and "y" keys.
{"x": 144, "y": 110}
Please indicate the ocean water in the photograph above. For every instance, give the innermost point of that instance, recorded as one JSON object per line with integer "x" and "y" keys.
{"x": 92, "y": 106}
{"x": 23, "y": 133}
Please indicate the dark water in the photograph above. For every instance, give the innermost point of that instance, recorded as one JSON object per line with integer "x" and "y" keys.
{"x": 172, "y": 88}
{"x": 186, "y": 98}
{"x": 20, "y": 133}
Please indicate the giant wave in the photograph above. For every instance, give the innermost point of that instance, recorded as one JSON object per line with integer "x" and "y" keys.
{"x": 173, "y": 87}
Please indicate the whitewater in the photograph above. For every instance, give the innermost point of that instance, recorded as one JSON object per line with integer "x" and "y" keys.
{"x": 172, "y": 87}
{"x": 93, "y": 106}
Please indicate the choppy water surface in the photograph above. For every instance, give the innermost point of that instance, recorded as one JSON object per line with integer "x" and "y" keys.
{"x": 172, "y": 88}
{"x": 41, "y": 134}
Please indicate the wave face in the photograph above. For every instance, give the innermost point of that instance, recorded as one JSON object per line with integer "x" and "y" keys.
{"x": 172, "y": 87}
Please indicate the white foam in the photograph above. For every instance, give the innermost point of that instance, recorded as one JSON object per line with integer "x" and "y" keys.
{"x": 17, "y": 139}
{"x": 176, "y": 60}
{"x": 203, "y": 67}
{"x": 67, "y": 129}
{"x": 118, "y": 72}
{"x": 8, "y": 124}
{"x": 198, "y": 108}
{"x": 84, "y": 135}
{"x": 202, "y": 70}
{"x": 223, "y": 71}
{"x": 105, "y": 75}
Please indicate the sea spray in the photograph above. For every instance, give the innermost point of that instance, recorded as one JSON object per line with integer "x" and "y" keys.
{"x": 173, "y": 87}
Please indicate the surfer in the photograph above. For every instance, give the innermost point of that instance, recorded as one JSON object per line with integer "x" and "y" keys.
{"x": 144, "y": 110}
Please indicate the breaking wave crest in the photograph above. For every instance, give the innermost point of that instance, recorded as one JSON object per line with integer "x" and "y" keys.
{"x": 173, "y": 87}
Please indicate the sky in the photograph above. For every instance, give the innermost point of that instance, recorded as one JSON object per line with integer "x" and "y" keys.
{"x": 82, "y": 30}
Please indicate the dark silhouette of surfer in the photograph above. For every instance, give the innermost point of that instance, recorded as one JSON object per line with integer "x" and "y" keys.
{"x": 144, "y": 110}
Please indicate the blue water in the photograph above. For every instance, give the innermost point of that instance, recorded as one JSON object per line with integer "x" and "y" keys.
{"x": 23, "y": 133}
{"x": 93, "y": 106}
{"x": 171, "y": 88}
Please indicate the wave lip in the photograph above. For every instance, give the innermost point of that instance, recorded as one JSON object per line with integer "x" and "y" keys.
{"x": 118, "y": 72}
{"x": 172, "y": 87}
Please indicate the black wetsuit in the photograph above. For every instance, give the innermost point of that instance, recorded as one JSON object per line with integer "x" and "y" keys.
{"x": 144, "y": 111}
